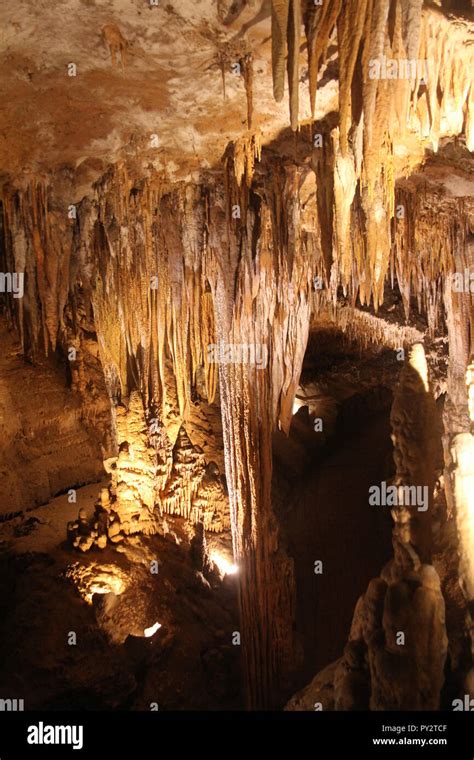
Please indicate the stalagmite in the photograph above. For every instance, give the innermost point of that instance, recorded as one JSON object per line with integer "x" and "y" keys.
{"x": 412, "y": 423}
{"x": 462, "y": 452}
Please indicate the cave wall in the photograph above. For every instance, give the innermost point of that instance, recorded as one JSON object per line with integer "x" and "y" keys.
{"x": 50, "y": 441}
{"x": 160, "y": 270}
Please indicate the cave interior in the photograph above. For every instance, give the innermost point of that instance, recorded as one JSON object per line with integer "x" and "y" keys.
{"x": 237, "y": 354}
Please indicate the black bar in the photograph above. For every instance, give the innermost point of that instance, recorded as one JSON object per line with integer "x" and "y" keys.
{"x": 149, "y": 735}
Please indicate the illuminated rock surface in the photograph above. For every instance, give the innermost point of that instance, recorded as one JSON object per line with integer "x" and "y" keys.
{"x": 240, "y": 256}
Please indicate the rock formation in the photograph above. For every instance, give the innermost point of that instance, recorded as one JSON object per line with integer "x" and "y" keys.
{"x": 190, "y": 256}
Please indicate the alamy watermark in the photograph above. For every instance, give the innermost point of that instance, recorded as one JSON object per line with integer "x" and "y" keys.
{"x": 46, "y": 734}
{"x": 238, "y": 353}
{"x": 400, "y": 68}
{"x": 399, "y": 496}
{"x": 466, "y": 704}
{"x": 12, "y": 282}
{"x": 12, "y": 705}
{"x": 462, "y": 282}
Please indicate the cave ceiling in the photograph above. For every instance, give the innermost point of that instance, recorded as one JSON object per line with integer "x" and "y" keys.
{"x": 142, "y": 71}
{"x": 165, "y": 86}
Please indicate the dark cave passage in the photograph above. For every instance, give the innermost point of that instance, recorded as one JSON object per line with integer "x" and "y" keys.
{"x": 325, "y": 470}
{"x": 334, "y": 503}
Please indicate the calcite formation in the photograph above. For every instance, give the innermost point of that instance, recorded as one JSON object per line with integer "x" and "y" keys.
{"x": 377, "y": 670}
{"x": 212, "y": 221}
{"x": 412, "y": 419}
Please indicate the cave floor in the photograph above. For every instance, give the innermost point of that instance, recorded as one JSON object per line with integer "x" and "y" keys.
{"x": 190, "y": 663}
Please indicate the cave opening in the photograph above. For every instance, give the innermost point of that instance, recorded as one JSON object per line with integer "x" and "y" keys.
{"x": 338, "y": 447}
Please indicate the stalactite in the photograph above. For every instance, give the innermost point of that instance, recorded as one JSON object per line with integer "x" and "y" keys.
{"x": 323, "y": 163}
{"x": 247, "y": 64}
{"x": 272, "y": 277}
{"x": 40, "y": 248}
{"x": 373, "y": 49}
{"x": 319, "y": 21}
{"x": 234, "y": 55}
{"x": 350, "y": 28}
{"x": 378, "y": 109}
{"x": 345, "y": 183}
{"x": 365, "y": 329}
{"x": 430, "y": 243}
{"x": 209, "y": 338}
{"x": 116, "y": 43}
{"x": 293, "y": 64}
{"x": 286, "y": 32}
{"x": 411, "y": 24}
{"x": 280, "y": 11}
